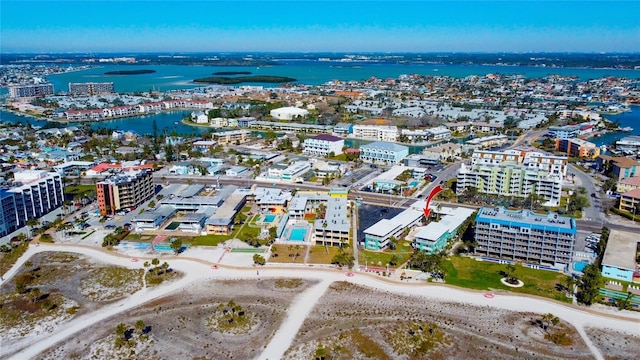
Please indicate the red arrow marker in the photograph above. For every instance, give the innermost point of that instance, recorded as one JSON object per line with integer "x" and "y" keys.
{"x": 433, "y": 193}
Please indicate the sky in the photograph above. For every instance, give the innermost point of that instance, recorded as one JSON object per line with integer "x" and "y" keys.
{"x": 319, "y": 26}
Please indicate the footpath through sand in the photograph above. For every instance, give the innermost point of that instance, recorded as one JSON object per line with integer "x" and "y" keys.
{"x": 197, "y": 269}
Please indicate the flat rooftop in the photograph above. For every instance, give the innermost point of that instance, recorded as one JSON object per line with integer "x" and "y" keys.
{"x": 621, "y": 250}
{"x": 550, "y": 221}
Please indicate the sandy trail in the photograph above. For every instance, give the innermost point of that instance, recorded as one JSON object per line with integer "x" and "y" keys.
{"x": 197, "y": 269}
{"x": 296, "y": 315}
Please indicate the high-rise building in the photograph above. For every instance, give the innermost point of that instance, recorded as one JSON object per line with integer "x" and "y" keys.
{"x": 124, "y": 190}
{"x": 20, "y": 91}
{"x": 35, "y": 193}
{"x": 525, "y": 236}
{"x": 91, "y": 88}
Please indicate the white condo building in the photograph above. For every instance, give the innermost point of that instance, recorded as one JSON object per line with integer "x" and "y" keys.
{"x": 375, "y": 132}
{"x": 323, "y": 145}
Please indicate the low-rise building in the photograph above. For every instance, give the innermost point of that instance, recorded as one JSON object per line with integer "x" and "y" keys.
{"x": 619, "y": 260}
{"x": 231, "y": 137}
{"x": 628, "y": 184}
{"x": 488, "y": 141}
{"x": 630, "y": 201}
{"x": 436, "y": 235}
{"x": 221, "y": 223}
{"x": 153, "y": 219}
{"x": 377, "y": 236}
{"x": 323, "y": 145}
{"x": 621, "y": 167}
{"x": 288, "y": 113}
{"x": 375, "y": 132}
{"x": 383, "y": 152}
{"x": 578, "y": 148}
{"x": 443, "y": 152}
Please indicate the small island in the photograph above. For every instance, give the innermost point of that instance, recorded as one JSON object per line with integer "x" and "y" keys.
{"x": 129, "y": 72}
{"x": 244, "y": 79}
{"x": 232, "y": 73}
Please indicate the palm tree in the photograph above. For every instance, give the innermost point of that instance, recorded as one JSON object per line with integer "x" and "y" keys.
{"x": 31, "y": 223}
{"x": 139, "y": 325}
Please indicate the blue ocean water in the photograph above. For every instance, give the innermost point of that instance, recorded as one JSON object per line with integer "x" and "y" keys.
{"x": 171, "y": 77}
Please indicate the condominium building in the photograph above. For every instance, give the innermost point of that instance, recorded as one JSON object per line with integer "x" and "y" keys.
{"x": 333, "y": 230}
{"x": 323, "y": 145}
{"x": 436, "y": 235}
{"x": 621, "y": 167}
{"x": 375, "y": 132}
{"x": 124, "y": 190}
{"x": 564, "y": 132}
{"x": 383, "y": 152}
{"x": 231, "y": 137}
{"x": 377, "y": 236}
{"x": 91, "y": 88}
{"x": 510, "y": 180}
{"x": 525, "y": 236}
{"x": 554, "y": 165}
{"x": 35, "y": 193}
{"x": 628, "y": 184}
{"x": 20, "y": 91}
{"x": 578, "y": 147}
{"x": 630, "y": 201}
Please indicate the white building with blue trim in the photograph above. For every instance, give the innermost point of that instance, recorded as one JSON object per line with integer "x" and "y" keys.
{"x": 383, "y": 152}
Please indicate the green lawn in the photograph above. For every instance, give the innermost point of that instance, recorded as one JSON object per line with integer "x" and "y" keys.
{"x": 483, "y": 275}
{"x": 79, "y": 189}
{"x": 381, "y": 258}
{"x": 210, "y": 240}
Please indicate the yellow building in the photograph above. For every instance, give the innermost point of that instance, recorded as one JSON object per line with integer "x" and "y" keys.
{"x": 629, "y": 201}
{"x": 628, "y": 184}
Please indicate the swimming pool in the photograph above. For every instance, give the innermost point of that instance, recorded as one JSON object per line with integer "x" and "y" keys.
{"x": 414, "y": 183}
{"x": 269, "y": 218}
{"x": 297, "y": 234}
{"x": 579, "y": 266}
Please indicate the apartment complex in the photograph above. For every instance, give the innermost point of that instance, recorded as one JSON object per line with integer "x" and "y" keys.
{"x": 621, "y": 167}
{"x": 525, "y": 236}
{"x": 375, "y": 132}
{"x": 514, "y": 173}
{"x": 619, "y": 260}
{"x": 323, "y": 145}
{"x": 509, "y": 180}
{"x": 231, "y": 137}
{"x": 383, "y": 152}
{"x": 436, "y": 235}
{"x": 91, "y": 88}
{"x": 20, "y": 91}
{"x": 333, "y": 230}
{"x": 578, "y": 148}
{"x": 377, "y": 236}
{"x": 34, "y": 194}
{"x": 554, "y": 165}
{"x": 124, "y": 190}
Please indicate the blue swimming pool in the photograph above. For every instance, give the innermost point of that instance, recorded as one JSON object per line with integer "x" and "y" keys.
{"x": 269, "y": 218}
{"x": 579, "y": 266}
{"x": 297, "y": 234}
{"x": 414, "y": 183}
